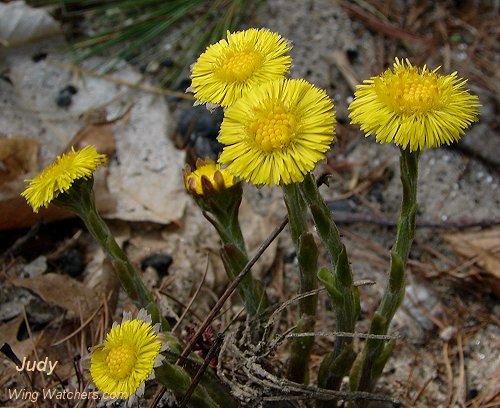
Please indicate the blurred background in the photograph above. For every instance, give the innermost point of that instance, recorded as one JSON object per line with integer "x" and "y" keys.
{"x": 114, "y": 74}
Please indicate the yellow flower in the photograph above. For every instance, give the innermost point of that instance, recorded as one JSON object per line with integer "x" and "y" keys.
{"x": 277, "y": 132}
{"x": 120, "y": 365}
{"x": 414, "y": 107}
{"x": 229, "y": 68}
{"x": 60, "y": 175}
{"x": 208, "y": 177}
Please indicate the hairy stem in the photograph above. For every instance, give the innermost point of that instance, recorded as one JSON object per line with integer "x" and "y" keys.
{"x": 377, "y": 352}
{"x": 339, "y": 284}
{"x": 307, "y": 256}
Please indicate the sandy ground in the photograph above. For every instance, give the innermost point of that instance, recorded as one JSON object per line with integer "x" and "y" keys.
{"x": 447, "y": 355}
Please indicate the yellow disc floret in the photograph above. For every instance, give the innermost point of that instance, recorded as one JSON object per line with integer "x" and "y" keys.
{"x": 121, "y": 361}
{"x": 238, "y": 65}
{"x": 273, "y": 129}
{"x": 410, "y": 92}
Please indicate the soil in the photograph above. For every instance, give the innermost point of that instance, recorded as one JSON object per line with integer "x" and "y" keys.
{"x": 448, "y": 327}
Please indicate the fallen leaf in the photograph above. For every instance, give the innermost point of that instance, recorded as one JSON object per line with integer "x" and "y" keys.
{"x": 23, "y": 348}
{"x": 18, "y": 156}
{"x": 483, "y": 247}
{"x": 101, "y": 135}
{"x": 20, "y": 23}
{"x": 62, "y": 291}
{"x": 16, "y": 213}
{"x": 9, "y": 330}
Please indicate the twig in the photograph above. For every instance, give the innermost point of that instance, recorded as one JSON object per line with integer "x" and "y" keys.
{"x": 140, "y": 87}
{"x": 218, "y": 306}
{"x": 210, "y": 355}
{"x": 183, "y": 315}
{"x": 6, "y": 349}
{"x": 421, "y": 390}
{"x": 80, "y": 328}
{"x": 449, "y": 375}
{"x": 231, "y": 288}
{"x": 171, "y": 297}
{"x": 464, "y": 223}
{"x": 459, "y": 397}
{"x": 309, "y": 391}
{"x": 20, "y": 242}
{"x": 383, "y": 27}
{"x": 344, "y": 334}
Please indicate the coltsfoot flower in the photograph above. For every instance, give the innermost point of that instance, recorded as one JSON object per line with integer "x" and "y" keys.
{"x": 277, "y": 132}
{"x": 412, "y": 107}
{"x": 120, "y": 366}
{"x": 229, "y": 68}
{"x": 59, "y": 176}
{"x": 207, "y": 178}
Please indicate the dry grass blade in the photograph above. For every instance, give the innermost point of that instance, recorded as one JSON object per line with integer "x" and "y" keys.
{"x": 344, "y": 334}
{"x": 118, "y": 81}
{"x": 80, "y": 328}
{"x": 191, "y": 301}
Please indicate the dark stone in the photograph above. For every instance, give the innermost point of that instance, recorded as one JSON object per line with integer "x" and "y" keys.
{"x": 166, "y": 63}
{"x": 201, "y": 121}
{"x": 199, "y": 128}
{"x": 71, "y": 89}
{"x": 159, "y": 262}
{"x": 352, "y": 55}
{"x": 290, "y": 257}
{"x": 342, "y": 206}
{"x": 471, "y": 394}
{"x": 39, "y": 56}
{"x": 64, "y": 99}
{"x": 71, "y": 262}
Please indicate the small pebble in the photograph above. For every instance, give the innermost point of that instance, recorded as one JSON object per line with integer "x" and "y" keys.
{"x": 65, "y": 96}
{"x": 71, "y": 262}
{"x": 35, "y": 268}
{"x": 447, "y": 333}
{"x": 39, "y": 56}
{"x": 160, "y": 262}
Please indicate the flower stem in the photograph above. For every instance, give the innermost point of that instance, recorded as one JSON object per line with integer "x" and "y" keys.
{"x": 176, "y": 378}
{"x": 221, "y": 210}
{"x": 80, "y": 199}
{"x": 376, "y": 352}
{"x": 339, "y": 285}
{"x": 307, "y": 256}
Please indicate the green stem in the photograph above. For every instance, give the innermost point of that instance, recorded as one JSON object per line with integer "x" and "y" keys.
{"x": 377, "y": 352}
{"x": 250, "y": 290}
{"x": 209, "y": 393}
{"x": 176, "y": 379}
{"x": 307, "y": 256}
{"x": 80, "y": 199}
{"x": 221, "y": 209}
{"x": 339, "y": 285}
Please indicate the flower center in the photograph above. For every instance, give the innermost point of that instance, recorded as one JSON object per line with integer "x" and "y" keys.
{"x": 411, "y": 92}
{"x": 273, "y": 129}
{"x": 239, "y": 65}
{"x": 121, "y": 360}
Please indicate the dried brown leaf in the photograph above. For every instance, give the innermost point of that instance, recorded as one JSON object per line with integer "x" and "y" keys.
{"x": 8, "y": 334}
{"x": 484, "y": 248}
{"x": 62, "y": 291}
{"x": 485, "y": 245}
{"x": 18, "y": 156}
{"x": 101, "y": 135}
